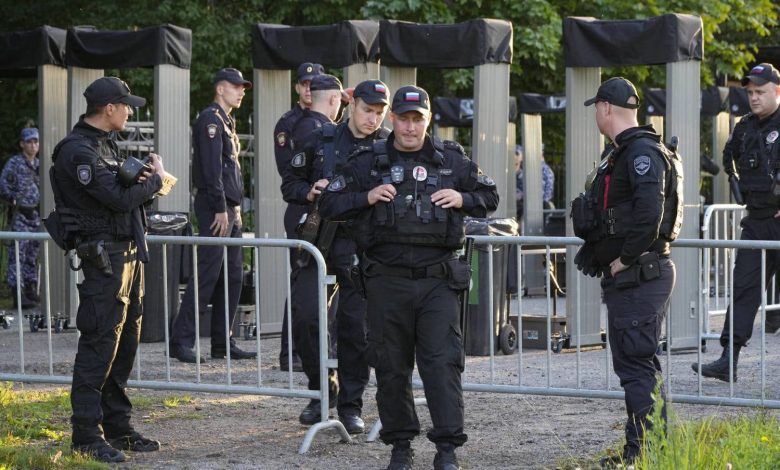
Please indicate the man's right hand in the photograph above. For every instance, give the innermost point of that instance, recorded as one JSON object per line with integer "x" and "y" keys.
{"x": 219, "y": 227}
{"x": 382, "y": 193}
{"x": 316, "y": 189}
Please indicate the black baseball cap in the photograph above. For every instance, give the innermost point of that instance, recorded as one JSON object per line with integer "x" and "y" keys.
{"x": 617, "y": 91}
{"x": 325, "y": 82}
{"x": 372, "y": 92}
{"x": 762, "y": 74}
{"x": 411, "y": 98}
{"x": 307, "y": 71}
{"x": 106, "y": 90}
{"x": 231, "y": 75}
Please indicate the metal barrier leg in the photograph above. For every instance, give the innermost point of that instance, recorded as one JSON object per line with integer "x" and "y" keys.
{"x": 317, "y": 427}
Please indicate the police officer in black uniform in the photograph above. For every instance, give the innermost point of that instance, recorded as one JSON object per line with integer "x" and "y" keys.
{"x": 326, "y": 95}
{"x": 752, "y": 156}
{"x": 636, "y": 203}
{"x": 321, "y": 155}
{"x": 283, "y": 154}
{"x": 406, "y": 206}
{"x": 104, "y": 219}
{"x": 219, "y": 189}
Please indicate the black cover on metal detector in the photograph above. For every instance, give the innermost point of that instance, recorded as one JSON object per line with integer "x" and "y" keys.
{"x": 153, "y": 324}
{"x": 459, "y": 112}
{"x": 468, "y": 44}
{"x": 21, "y": 52}
{"x": 534, "y": 103}
{"x": 277, "y": 46}
{"x": 478, "y": 337}
{"x": 713, "y": 101}
{"x": 673, "y": 37}
{"x": 147, "y": 47}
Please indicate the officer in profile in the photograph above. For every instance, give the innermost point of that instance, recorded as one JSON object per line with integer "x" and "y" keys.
{"x": 635, "y": 200}
{"x": 283, "y": 154}
{"x": 219, "y": 189}
{"x": 104, "y": 220}
{"x": 326, "y": 94}
{"x": 406, "y": 204}
{"x": 750, "y": 157}
{"x": 319, "y": 157}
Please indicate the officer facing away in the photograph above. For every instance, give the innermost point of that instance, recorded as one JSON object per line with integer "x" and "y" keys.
{"x": 631, "y": 211}
{"x": 326, "y": 92}
{"x": 105, "y": 220}
{"x": 406, "y": 205}
{"x": 321, "y": 154}
{"x": 219, "y": 189}
{"x": 283, "y": 154}
{"x": 19, "y": 186}
{"x": 751, "y": 155}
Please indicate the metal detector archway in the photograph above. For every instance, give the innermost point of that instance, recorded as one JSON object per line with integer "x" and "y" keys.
{"x": 589, "y": 44}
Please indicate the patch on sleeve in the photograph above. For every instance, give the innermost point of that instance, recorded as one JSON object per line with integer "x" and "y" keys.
{"x": 84, "y": 173}
{"x": 337, "y": 184}
{"x": 281, "y": 139}
{"x": 212, "y": 130}
{"x": 485, "y": 180}
{"x": 298, "y": 160}
{"x": 641, "y": 164}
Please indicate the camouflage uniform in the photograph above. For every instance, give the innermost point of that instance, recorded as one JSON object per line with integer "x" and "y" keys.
{"x": 19, "y": 183}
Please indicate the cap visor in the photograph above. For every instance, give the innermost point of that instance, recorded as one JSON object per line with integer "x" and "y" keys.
{"x": 134, "y": 101}
{"x": 755, "y": 79}
{"x": 405, "y": 108}
{"x": 305, "y": 78}
{"x": 373, "y": 99}
{"x": 591, "y": 101}
{"x": 245, "y": 83}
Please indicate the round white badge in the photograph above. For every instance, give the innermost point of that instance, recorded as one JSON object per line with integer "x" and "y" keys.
{"x": 772, "y": 137}
{"x": 420, "y": 173}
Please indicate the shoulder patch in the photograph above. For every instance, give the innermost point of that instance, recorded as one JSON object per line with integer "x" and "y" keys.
{"x": 642, "y": 164}
{"x": 281, "y": 139}
{"x": 212, "y": 130}
{"x": 84, "y": 173}
{"x": 298, "y": 160}
{"x": 485, "y": 180}
{"x": 337, "y": 184}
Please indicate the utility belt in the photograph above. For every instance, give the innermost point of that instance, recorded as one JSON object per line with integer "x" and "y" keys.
{"x": 764, "y": 213}
{"x": 456, "y": 270}
{"x": 647, "y": 268}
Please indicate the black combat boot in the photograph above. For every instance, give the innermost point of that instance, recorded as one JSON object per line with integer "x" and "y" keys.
{"x": 402, "y": 457}
{"x": 445, "y": 458}
{"x": 719, "y": 369}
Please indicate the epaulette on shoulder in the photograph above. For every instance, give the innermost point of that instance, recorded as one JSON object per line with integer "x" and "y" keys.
{"x": 452, "y": 145}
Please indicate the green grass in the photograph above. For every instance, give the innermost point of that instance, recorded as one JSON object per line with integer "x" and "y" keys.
{"x": 35, "y": 427}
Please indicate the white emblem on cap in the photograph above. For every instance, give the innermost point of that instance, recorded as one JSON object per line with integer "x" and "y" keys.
{"x": 420, "y": 173}
{"x": 772, "y": 137}
{"x": 308, "y": 69}
{"x": 212, "y": 130}
{"x": 641, "y": 164}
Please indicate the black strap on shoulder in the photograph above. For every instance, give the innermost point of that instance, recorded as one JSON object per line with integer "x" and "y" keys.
{"x": 329, "y": 163}
{"x": 383, "y": 161}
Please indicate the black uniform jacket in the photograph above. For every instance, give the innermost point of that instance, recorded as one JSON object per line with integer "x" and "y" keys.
{"x": 215, "y": 167}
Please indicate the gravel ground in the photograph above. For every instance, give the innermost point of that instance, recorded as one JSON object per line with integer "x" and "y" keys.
{"x": 505, "y": 431}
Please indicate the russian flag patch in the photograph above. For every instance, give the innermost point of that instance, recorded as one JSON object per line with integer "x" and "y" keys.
{"x": 412, "y": 96}
{"x": 379, "y": 88}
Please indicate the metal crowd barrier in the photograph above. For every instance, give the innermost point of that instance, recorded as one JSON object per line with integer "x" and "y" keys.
{"x": 721, "y": 222}
{"x": 582, "y": 372}
{"x": 203, "y": 382}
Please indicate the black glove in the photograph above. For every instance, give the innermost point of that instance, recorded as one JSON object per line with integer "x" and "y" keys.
{"x": 585, "y": 260}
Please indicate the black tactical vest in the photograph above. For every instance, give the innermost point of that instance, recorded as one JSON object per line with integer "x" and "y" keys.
{"x": 411, "y": 218}
{"x": 758, "y": 155}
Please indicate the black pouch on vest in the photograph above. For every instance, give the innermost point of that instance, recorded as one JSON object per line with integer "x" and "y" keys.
{"x": 583, "y": 216}
{"x": 650, "y": 266}
{"x": 628, "y": 277}
{"x": 458, "y": 274}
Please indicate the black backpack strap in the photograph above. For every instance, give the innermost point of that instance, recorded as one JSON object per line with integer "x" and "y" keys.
{"x": 383, "y": 161}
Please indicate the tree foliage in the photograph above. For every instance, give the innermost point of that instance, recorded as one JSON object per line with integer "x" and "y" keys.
{"x": 732, "y": 31}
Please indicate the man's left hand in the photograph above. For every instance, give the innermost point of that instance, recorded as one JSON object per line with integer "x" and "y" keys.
{"x": 447, "y": 198}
